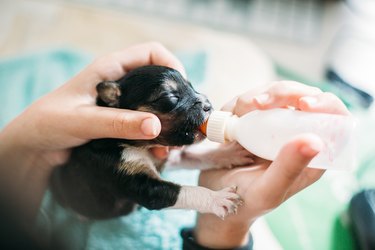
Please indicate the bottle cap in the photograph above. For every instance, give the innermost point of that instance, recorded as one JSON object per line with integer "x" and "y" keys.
{"x": 216, "y": 125}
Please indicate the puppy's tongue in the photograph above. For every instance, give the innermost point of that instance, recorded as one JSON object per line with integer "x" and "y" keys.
{"x": 203, "y": 127}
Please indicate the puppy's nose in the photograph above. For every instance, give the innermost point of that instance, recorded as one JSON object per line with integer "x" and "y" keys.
{"x": 207, "y": 107}
{"x": 202, "y": 99}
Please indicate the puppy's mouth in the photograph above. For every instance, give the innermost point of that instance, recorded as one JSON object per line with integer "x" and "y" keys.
{"x": 200, "y": 133}
{"x": 199, "y": 136}
{"x": 181, "y": 128}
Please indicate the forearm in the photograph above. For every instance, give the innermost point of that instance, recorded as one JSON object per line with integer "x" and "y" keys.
{"x": 23, "y": 176}
{"x": 212, "y": 232}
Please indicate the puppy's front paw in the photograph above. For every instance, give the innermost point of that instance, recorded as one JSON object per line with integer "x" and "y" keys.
{"x": 225, "y": 202}
{"x": 230, "y": 155}
{"x": 221, "y": 203}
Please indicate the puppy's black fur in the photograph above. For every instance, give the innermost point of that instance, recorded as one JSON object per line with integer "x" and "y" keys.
{"x": 105, "y": 178}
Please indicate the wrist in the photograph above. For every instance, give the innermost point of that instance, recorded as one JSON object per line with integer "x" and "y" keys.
{"x": 23, "y": 176}
{"x": 189, "y": 242}
{"x": 15, "y": 152}
{"x": 212, "y": 232}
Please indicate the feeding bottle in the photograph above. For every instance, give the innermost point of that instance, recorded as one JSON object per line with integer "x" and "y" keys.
{"x": 265, "y": 132}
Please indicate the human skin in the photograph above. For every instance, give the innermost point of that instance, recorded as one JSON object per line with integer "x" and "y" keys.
{"x": 265, "y": 185}
{"x": 41, "y": 137}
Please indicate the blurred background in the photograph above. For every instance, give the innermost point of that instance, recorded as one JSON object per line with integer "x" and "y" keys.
{"x": 228, "y": 47}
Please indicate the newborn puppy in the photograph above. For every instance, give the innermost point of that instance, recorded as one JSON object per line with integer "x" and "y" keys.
{"x": 105, "y": 178}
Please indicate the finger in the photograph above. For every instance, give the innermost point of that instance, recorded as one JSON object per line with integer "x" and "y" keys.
{"x": 229, "y": 106}
{"x": 115, "y": 65}
{"x": 101, "y": 122}
{"x": 324, "y": 102}
{"x": 306, "y": 178}
{"x": 152, "y": 53}
{"x": 245, "y": 103}
{"x": 278, "y": 95}
{"x": 287, "y": 167}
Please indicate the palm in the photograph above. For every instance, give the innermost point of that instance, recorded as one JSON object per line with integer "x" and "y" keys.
{"x": 259, "y": 182}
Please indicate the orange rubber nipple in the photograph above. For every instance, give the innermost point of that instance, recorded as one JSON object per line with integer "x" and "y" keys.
{"x": 203, "y": 127}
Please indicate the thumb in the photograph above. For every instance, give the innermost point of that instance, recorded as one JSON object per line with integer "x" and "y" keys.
{"x": 102, "y": 122}
{"x": 290, "y": 162}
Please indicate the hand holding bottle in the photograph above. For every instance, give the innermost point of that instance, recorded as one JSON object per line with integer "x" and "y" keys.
{"x": 265, "y": 185}
{"x": 265, "y": 132}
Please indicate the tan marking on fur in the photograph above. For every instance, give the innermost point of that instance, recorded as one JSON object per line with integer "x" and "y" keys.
{"x": 138, "y": 160}
{"x": 145, "y": 109}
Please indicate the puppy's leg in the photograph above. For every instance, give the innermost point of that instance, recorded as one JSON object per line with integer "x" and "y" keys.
{"x": 154, "y": 193}
{"x": 220, "y": 203}
{"x": 208, "y": 155}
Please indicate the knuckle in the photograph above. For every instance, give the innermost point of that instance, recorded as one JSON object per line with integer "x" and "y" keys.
{"x": 316, "y": 89}
{"x": 107, "y": 66}
{"x": 102, "y": 61}
{"x": 156, "y": 45}
{"x": 330, "y": 96}
{"x": 285, "y": 87}
{"x": 285, "y": 84}
{"x": 280, "y": 88}
{"x": 243, "y": 102}
{"x": 120, "y": 125}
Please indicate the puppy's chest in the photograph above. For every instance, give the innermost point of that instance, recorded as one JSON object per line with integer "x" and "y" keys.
{"x": 139, "y": 160}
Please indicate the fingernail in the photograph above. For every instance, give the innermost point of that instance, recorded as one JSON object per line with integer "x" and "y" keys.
{"x": 262, "y": 99}
{"x": 312, "y": 148}
{"x": 150, "y": 127}
{"x": 309, "y": 100}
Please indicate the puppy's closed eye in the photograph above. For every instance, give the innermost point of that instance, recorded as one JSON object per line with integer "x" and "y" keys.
{"x": 166, "y": 103}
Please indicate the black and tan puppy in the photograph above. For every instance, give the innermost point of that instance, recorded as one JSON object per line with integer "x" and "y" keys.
{"x": 106, "y": 178}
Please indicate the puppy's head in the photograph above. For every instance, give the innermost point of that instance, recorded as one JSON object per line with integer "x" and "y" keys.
{"x": 165, "y": 93}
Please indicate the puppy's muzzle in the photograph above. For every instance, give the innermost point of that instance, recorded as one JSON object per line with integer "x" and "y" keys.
{"x": 206, "y": 105}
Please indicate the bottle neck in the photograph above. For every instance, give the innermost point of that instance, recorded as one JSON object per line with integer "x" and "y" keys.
{"x": 230, "y": 128}
{"x": 216, "y": 125}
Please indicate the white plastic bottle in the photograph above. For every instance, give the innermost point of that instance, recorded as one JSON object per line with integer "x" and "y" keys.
{"x": 264, "y": 132}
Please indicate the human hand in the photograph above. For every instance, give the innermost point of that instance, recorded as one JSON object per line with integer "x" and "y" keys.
{"x": 41, "y": 137}
{"x": 68, "y": 116}
{"x": 265, "y": 185}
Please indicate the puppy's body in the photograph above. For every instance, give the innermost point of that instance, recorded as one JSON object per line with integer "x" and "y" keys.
{"x": 106, "y": 178}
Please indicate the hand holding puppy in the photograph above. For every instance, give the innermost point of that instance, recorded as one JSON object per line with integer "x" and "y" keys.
{"x": 42, "y": 136}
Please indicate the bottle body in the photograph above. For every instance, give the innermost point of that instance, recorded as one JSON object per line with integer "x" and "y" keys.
{"x": 265, "y": 132}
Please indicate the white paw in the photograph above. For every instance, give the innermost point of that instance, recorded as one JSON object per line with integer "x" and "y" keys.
{"x": 225, "y": 202}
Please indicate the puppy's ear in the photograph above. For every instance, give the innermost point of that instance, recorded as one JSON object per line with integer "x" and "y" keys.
{"x": 108, "y": 94}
